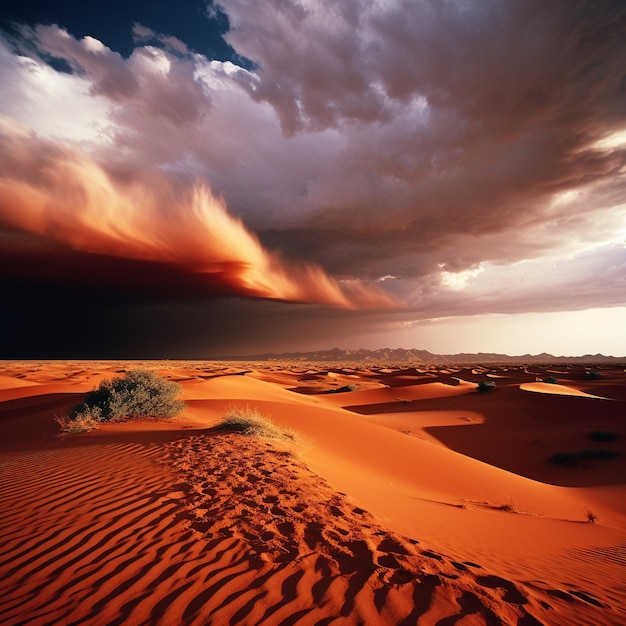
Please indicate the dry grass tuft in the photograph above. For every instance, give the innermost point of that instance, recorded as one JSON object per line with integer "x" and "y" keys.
{"x": 510, "y": 505}
{"x": 250, "y": 422}
{"x": 82, "y": 422}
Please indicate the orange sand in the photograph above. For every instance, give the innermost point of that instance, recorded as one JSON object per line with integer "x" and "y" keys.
{"x": 411, "y": 499}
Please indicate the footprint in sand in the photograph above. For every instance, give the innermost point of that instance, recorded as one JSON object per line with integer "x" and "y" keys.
{"x": 389, "y": 561}
{"x": 511, "y": 593}
{"x": 286, "y": 529}
{"x": 389, "y": 544}
{"x": 336, "y": 511}
{"x": 570, "y": 596}
{"x": 588, "y": 598}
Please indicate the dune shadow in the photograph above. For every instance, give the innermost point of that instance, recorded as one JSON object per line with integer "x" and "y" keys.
{"x": 527, "y": 432}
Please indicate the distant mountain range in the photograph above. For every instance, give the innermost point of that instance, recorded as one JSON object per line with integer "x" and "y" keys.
{"x": 401, "y": 355}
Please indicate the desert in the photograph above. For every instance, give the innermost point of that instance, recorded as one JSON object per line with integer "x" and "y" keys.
{"x": 405, "y": 496}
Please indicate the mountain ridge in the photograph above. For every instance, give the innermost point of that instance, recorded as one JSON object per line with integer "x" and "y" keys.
{"x": 414, "y": 355}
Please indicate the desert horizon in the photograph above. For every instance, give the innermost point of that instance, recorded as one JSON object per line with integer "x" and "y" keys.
{"x": 337, "y": 356}
{"x": 399, "y": 494}
{"x": 417, "y": 356}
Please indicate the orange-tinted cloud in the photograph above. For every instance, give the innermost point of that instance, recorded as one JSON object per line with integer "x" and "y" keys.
{"x": 60, "y": 194}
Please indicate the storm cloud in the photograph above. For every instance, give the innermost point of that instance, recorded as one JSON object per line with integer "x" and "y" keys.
{"x": 445, "y": 158}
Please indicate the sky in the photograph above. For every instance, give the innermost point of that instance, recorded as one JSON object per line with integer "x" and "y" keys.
{"x": 202, "y": 179}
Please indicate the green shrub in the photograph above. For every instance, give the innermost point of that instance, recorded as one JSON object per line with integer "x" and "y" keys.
{"x": 564, "y": 458}
{"x": 588, "y": 454}
{"x": 597, "y": 454}
{"x": 551, "y": 379}
{"x": 344, "y": 389}
{"x": 141, "y": 393}
{"x": 486, "y": 385}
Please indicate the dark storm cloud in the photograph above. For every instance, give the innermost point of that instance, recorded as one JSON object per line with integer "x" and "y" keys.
{"x": 505, "y": 63}
{"x": 471, "y": 117}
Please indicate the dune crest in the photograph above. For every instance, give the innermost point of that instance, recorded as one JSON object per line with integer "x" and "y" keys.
{"x": 561, "y": 390}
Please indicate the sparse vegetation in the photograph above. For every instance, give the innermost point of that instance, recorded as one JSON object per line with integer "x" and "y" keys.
{"x": 598, "y": 454}
{"x": 510, "y": 506}
{"x": 564, "y": 458}
{"x": 141, "y": 393}
{"x": 485, "y": 386}
{"x": 87, "y": 420}
{"x": 588, "y": 454}
{"x": 249, "y": 421}
{"x": 344, "y": 389}
{"x": 602, "y": 435}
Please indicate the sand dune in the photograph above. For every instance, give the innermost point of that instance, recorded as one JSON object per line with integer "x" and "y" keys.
{"x": 415, "y": 502}
{"x": 562, "y": 390}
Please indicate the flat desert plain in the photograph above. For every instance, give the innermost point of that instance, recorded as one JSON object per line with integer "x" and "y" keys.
{"x": 408, "y": 497}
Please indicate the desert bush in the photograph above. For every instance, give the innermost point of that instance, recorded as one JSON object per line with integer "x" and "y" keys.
{"x": 602, "y": 435}
{"x": 551, "y": 379}
{"x": 344, "y": 389}
{"x": 564, "y": 458}
{"x": 141, "y": 393}
{"x": 249, "y": 421}
{"x": 486, "y": 385}
{"x": 588, "y": 454}
{"x": 597, "y": 454}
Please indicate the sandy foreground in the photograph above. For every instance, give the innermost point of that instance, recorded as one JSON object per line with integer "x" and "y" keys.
{"x": 409, "y": 498}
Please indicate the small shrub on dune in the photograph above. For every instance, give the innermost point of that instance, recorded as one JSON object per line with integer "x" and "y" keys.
{"x": 588, "y": 454}
{"x": 597, "y": 454}
{"x": 564, "y": 458}
{"x": 344, "y": 389}
{"x": 140, "y": 393}
{"x": 484, "y": 386}
{"x": 602, "y": 435}
{"x": 250, "y": 422}
{"x": 551, "y": 379}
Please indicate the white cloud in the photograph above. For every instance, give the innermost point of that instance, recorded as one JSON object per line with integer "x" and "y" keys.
{"x": 616, "y": 139}
{"x": 457, "y": 281}
{"x": 55, "y": 103}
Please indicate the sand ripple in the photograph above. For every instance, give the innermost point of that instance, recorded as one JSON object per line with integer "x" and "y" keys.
{"x": 107, "y": 534}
